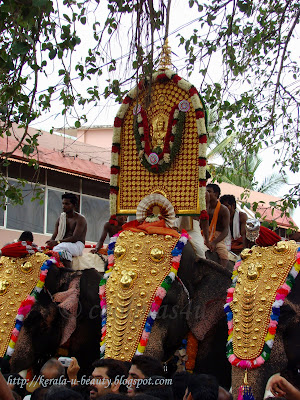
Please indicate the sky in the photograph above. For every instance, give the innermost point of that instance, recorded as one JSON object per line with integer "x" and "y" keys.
{"x": 183, "y": 21}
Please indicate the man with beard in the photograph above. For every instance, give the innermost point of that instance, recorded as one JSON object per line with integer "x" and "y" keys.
{"x": 109, "y": 376}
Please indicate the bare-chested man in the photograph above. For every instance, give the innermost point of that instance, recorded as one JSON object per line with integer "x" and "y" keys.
{"x": 113, "y": 226}
{"x": 237, "y": 224}
{"x": 219, "y": 223}
{"x": 68, "y": 238}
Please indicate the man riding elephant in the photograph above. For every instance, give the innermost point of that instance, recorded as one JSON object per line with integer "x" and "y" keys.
{"x": 68, "y": 238}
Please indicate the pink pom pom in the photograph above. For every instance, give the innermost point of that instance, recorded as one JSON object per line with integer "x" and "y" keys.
{"x": 102, "y": 290}
{"x": 176, "y": 259}
{"x": 161, "y": 292}
{"x": 155, "y": 307}
{"x": 245, "y": 364}
{"x": 230, "y": 290}
{"x": 280, "y": 296}
{"x": 259, "y": 361}
{"x": 15, "y": 332}
{"x": 273, "y": 323}
{"x": 237, "y": 265}
{"x": 231, "y": 358}
{"x": 145, "y": 335}
{"x": 286, "y": 287}
{"x": 230, "y": 324}
{"x": 102, "y": 303}
{"x": 110, "y": 259}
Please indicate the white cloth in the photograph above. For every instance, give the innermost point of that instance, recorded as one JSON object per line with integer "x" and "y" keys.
{"x": 193, "y": 229}
{"x": 68, "y": 249}
{"x": 236, "y": 225}
{"x": 62, "y": 225}
{"x": 87, "y": 261}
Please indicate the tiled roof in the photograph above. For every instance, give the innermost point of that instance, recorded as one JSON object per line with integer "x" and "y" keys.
{"x": 264, "y": 208}
{"x": 55, "y": 159}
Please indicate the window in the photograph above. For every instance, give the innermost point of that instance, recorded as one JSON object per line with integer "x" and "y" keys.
{"x": 53, "y": 208}
{"x": 27, "y": 217}
{"x": 96, "y": 212}
{"x": 1, "y": 217}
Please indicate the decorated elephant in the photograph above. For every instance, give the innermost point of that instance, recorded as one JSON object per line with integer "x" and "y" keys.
{"x": 263, "y": 311}
{"x": 189, "y": 304}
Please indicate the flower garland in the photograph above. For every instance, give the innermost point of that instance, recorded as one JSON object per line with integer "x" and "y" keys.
{"x": 191, "y": 351}
{"x": 157, "y": 160}
{"x": 158, "y": 298}
{"x": 26, "y": 306}
{"x": 196, "y": 101}
{"x": 281, "y": 294}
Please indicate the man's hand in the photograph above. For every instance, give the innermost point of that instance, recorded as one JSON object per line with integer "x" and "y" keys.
{"x": 212, "y": 246}
{"x": 51, "y": 243}
{"x": 72, "y": 371}
{"x": 95, "y": 250}
{"x": 280, "y": 387}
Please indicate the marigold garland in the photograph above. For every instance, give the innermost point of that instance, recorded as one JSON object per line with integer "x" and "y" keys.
{"x": 281, "y": 294}
{"x": 191, "y": 351}
{"x": 159, "y": 295}
{"x": 196, "y": 101}
{"x": 27, "y": 304}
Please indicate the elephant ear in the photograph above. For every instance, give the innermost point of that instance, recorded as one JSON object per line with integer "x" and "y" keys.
{"x": 207, "y": 305}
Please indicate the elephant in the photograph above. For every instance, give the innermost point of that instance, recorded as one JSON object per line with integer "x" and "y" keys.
{"x": 194, "y": 302}
{"x": 285, "y": 354}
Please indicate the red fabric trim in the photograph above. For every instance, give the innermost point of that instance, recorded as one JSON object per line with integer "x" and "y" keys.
{"x": 192, "y": 91}
{"x": 202, "y": 162}
{"x": 115, "y": 149}
{"x": 127, "y": 100}
{"x": 118, "y": 122}
{"x": 203, "y": 139}
{"x": 204, "y": 215}
{"x": 199, "y": 114}
{"x": 176, "y": 78}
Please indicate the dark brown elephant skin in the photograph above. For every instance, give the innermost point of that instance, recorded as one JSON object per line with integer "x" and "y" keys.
{"x": 41, "y": 335}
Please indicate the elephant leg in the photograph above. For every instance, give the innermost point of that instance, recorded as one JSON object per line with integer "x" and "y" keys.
{"x": 259, "y": 377}
{"x": 23, "y": 356}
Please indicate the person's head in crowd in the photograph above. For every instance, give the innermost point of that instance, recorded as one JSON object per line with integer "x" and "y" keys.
{"x": 202, "y": 387}
{"x": 180, "y": 383}
{"x": 114, "y": 396}
{"x": 213, "y": 190}
{"x": 224, "y": 395}
{"x": 39, "y": 393}
{"x": 142, "y": 367}
{"x": 26, "y": 236}
{"x": 58, "y": 392}
{"x": 84, "y": 390}
{"x": 52, "y": 369}
{"x": 158, "y": 387}
{"x": 16, "y": 383}
{"x": 106, "y": 378}
{"x": 228, "y": 200}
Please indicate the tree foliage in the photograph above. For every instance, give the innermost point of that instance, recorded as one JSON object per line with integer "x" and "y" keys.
{"x": 256, "y": 96}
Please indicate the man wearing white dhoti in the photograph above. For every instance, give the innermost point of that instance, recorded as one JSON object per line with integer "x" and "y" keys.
{"x": 69, "y": 234}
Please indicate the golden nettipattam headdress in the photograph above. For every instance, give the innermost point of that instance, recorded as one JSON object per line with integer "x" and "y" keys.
{"x": 161, "y": 147}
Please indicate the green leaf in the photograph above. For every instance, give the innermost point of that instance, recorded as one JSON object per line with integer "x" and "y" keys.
{"x": 77, "y": 124}
{"x": 20, "y": 48}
